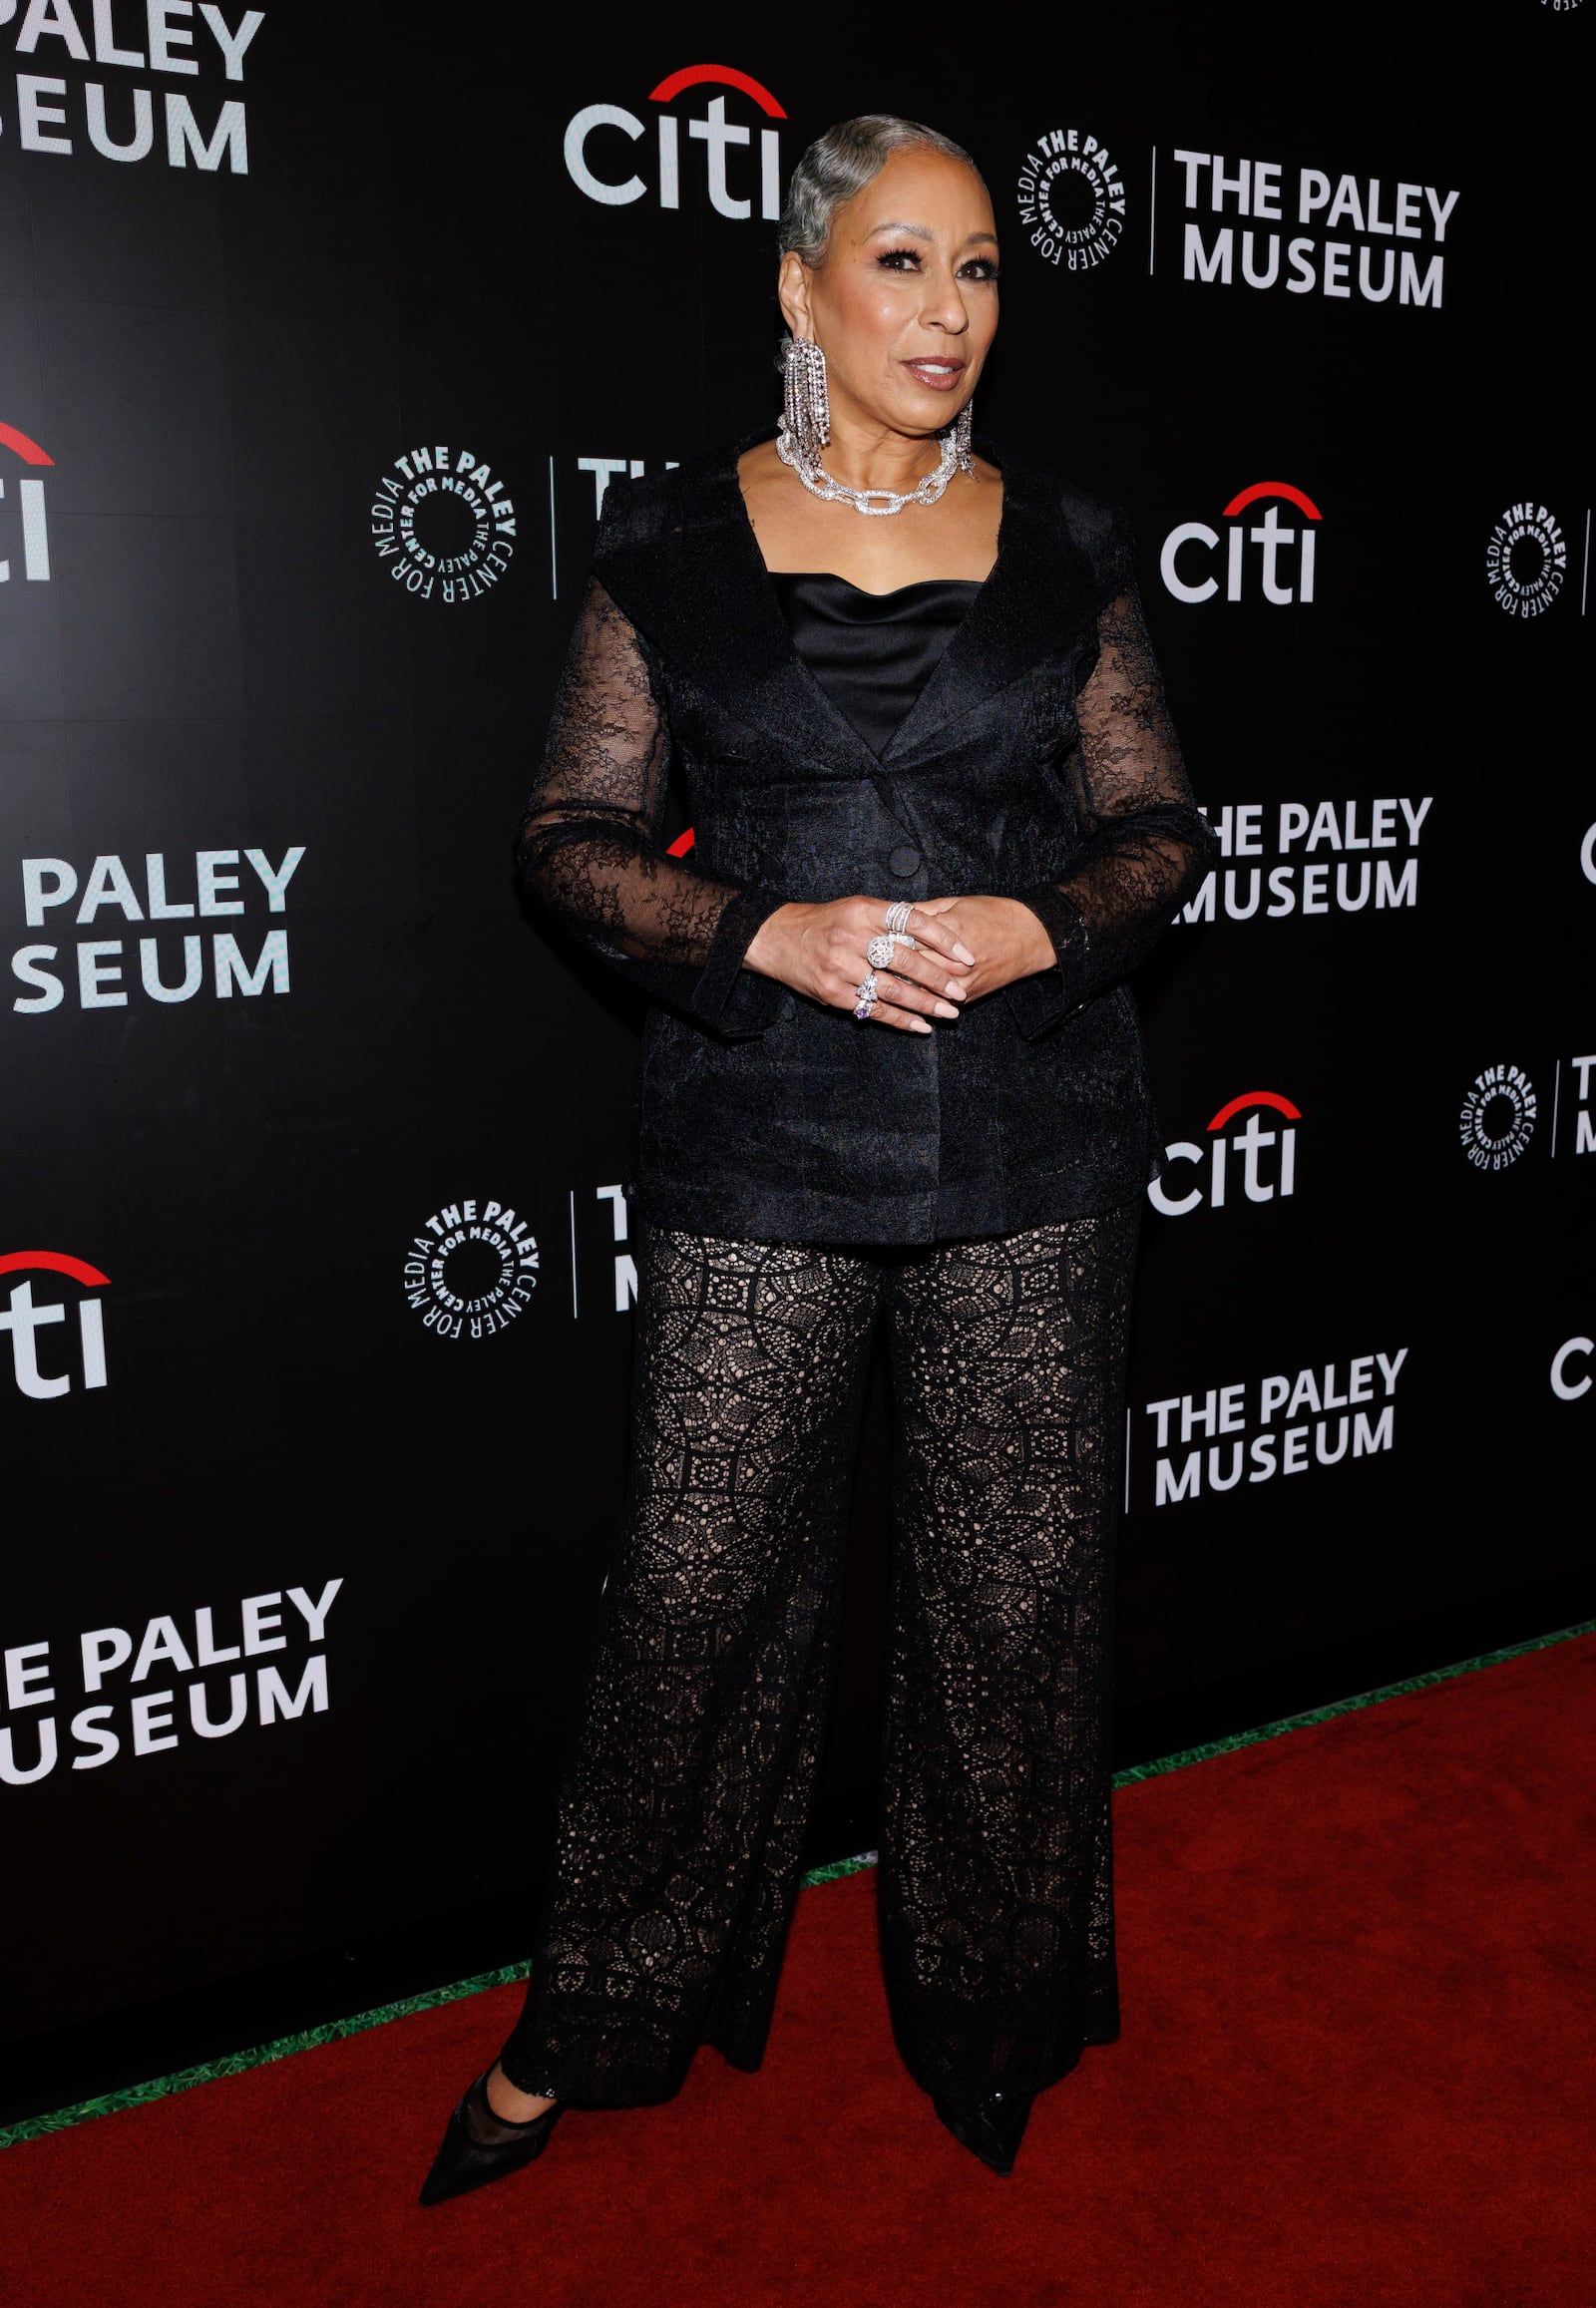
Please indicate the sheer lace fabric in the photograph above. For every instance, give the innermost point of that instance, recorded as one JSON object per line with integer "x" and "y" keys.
{"x": 1133, "y": 811}
{"x": 685, "y": 1802}
{"x": 490, "y": 2130}
{"x": 590, "y": 846}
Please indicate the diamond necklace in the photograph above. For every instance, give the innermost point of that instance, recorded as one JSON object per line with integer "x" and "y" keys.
{"x": 954, "y": 458}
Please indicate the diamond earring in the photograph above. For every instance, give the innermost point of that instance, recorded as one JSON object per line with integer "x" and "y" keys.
{"x": 807, "y": 408}
{"x": 962, "y": 424}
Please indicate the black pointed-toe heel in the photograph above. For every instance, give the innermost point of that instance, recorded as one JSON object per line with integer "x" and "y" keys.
{"x": 464, "y": 2161}
{"x": 993, "y": 2129}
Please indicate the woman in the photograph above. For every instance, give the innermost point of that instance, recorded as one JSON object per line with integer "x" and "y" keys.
{"x": 892, "y": 1070}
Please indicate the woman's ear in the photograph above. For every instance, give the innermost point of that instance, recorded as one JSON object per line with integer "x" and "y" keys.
{"x": 792, "y": 293}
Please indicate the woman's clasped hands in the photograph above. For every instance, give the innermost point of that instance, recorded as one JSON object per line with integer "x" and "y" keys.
{"x": 949, "y": 951}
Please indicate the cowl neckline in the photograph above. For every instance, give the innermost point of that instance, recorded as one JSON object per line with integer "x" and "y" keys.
{"x": 872, "y": 654}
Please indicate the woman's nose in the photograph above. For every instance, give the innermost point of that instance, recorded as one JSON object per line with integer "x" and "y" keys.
{"x": 945, "y": 308}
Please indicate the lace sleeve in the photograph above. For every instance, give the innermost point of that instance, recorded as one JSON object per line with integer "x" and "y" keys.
{"x": 1146, "y": 844}
{"x": 590, "y": 849}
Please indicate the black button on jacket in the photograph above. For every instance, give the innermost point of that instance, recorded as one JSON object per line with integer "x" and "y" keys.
{"x": 1038, "y": 763}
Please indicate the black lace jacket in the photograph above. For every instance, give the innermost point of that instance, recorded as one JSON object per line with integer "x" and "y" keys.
{"x": 1039, "y": 763}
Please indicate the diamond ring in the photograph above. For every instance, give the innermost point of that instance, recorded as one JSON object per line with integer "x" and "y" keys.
{"x": 898, "y": 917}
{"x": 865, "y": 997}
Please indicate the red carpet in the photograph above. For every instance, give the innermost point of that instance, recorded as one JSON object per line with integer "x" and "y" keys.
{"x": 1356, "y": 2070}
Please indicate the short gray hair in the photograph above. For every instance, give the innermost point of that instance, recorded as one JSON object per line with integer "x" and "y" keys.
{"x": 838, "y": 164}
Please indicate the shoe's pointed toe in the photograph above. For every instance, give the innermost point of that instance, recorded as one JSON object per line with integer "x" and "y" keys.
{"x": 464, "y": 2162}
{"x": 451, "y": 2164}
{"x": 991, "y": 2131}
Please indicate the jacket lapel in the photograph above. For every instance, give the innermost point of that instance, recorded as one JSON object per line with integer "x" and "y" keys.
{"x": 708, "y": 604}
{"x": 1037, "y": 600}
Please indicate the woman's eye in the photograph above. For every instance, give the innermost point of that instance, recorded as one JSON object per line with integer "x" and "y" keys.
{"x": 898, "y": 258}
{"x": 981, "y": 268}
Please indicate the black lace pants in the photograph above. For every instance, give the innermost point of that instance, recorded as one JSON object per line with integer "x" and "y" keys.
{"x": 687, "y": 1797}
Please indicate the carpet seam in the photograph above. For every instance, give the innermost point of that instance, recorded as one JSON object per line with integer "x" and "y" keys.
{"x": 360, "y": 2022}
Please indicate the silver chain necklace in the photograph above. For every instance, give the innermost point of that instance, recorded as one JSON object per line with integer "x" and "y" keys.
{"x": 820, "y": 483}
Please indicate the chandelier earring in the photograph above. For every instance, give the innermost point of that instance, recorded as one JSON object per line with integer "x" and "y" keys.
{"x": 960, "y": 437}
{"x": 807, "y": 409}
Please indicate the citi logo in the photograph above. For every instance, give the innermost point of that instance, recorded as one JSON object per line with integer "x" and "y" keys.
{"x": 596, "y": 163}
{"x": 25, "y": 1321}
{"x": 1261, "y": 1161}
{"x": 1278, "y": 550}
{"x": 28, "y": 498}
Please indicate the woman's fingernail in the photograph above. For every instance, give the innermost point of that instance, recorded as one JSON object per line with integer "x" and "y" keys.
{"x": 946, "y": 1010}
{"x": 963, "y": 953}
{"x": 918, "y": 1025}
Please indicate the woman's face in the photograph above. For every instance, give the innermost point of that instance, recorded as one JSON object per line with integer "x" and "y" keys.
{"x": 905, "y": 304}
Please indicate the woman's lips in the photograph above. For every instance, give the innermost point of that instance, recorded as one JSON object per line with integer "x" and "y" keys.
{"x": 940, "y": 376}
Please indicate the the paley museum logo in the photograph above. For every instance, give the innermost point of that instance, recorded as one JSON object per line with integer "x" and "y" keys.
{"x": 1502, "y": 1112}
{"x": 611, "y": 158}
{"x": 443, "y": 524}
{"x": 24, "y": 514}
{"x": 85, "y": 88}
{"x": 1305, "y": 232}
{"x": 1275, "y": 1424}
{"x": 1498, "y": 1117}
{"x": 1526, "y": 559}
{"x": 1341, "y": 878}
{"x": 163, "y": 966}
{"x": 1071, "y": 198}
{"x": 470, "y": 1268}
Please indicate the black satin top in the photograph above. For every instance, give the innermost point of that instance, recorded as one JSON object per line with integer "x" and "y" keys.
{"x": 872, "y": 654}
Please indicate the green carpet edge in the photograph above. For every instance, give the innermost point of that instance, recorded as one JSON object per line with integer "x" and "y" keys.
{"x": 838, "y": 1869}
{"x": 358, "y": 2023}
{"x": 1338, "y": 1706}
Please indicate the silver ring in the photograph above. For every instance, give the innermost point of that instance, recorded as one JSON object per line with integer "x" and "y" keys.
{"x": 865, "y": 997}
{"x": 898, "y": 916}
{"x": 879, "y": 952}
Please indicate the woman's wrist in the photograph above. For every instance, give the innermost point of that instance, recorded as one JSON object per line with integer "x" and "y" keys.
{"x": 763, "y": 950}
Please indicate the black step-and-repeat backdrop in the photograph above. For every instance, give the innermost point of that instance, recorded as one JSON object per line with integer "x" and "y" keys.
{"x": 323, "y": 334}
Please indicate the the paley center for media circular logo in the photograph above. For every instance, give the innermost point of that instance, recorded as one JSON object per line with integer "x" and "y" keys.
{"x": 443, "y": 522}
{"x": 1527, "y": 560}
{"x": 470, "y": 1268}
{"x": 1498, "y": 1117}
{"x": 1071, "y": 198}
